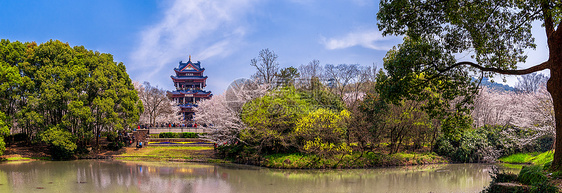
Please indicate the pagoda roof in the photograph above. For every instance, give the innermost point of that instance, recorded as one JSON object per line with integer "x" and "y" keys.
{"x": 189, "y": 66}
{"x": 189, "y": 77}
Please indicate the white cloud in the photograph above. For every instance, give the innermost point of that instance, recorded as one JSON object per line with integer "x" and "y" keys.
{"x": 200, "y": 28}
{"x": 371, "y": 39}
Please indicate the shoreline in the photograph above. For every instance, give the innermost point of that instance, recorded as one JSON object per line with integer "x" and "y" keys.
{"x": 206, "y": 154}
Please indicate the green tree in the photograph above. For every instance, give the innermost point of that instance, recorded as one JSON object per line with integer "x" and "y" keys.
{"x": 287, "y": 76}
{"x": 4, "y": 131}
{"x": 271, "y": 120}
{"x": 495, "y": 33}
{"x": 70, "y": 88}
{"x": 287, "y": 120}
{"x": 82, "y": 91}
{"x": 11, "y": 53}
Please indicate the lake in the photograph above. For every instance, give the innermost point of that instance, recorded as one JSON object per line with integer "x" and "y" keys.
{"x": 119, "y": 176}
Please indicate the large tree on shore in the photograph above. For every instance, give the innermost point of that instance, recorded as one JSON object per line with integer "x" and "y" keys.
{"x": 494, "y": 33}
{"x": 56, "y": 86}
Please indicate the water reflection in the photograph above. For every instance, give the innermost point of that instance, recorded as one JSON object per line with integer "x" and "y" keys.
{"x": 115, "y": 176}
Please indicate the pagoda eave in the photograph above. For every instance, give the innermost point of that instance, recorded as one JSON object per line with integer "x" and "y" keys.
{"x": 187, "y": 71}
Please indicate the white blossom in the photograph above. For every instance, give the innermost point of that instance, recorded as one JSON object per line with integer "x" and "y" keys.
{"x": 222, "y": 112}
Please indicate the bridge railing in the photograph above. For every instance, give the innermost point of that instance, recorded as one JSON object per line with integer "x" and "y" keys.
{"x": 157, "y": 130}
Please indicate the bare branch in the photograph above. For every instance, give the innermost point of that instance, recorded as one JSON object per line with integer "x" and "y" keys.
{"x": 536, "y": 68}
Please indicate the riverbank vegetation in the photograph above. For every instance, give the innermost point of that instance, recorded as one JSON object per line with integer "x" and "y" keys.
{"x": 349, "y": 116}
{"x": 353, "y": 160}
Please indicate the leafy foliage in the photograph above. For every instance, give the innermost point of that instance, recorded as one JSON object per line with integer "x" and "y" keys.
{"x": 407, "y": 80}
{"x": 61, "y": 142}
{"x": 271, "y": 120}
{"x": 168, "y": 135}
{"x": 485, "y": 144}
{"x": 287, "y": 121}
{"x": 116, "y": 145}
{"x": 323, "y": 132}
{"x": 501, "y": 177}
{"x": 178, "y": 135}
{"x": 287, "y": 76}
{"x": 494, "y": 34}
{"x": 72, "y": 89}
{"x": 532, "y": 175}
{"x": 4, "y": 131}
{"x": 499, "y": 32}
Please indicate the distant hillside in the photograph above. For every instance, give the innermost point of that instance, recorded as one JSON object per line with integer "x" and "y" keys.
{"x": 495, "y": 85}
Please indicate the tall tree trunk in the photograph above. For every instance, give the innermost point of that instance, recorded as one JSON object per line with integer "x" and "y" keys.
{"x": 554, "y": 87}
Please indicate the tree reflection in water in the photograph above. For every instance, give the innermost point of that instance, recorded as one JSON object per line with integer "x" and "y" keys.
{"x": 114, "y": 176}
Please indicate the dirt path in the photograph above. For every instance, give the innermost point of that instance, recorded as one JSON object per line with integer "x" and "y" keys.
{"x": 20, "y": 150}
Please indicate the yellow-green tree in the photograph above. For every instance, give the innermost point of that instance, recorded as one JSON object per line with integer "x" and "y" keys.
{"x": 323, "y": 132}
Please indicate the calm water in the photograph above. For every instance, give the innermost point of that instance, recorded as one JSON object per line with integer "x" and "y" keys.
{"x": 115, "y": 176}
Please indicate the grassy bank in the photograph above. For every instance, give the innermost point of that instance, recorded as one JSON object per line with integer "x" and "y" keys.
{"x": 532, "y": 178}
{"x": 168, "y": 153}
{"x": 19, "y": 158}
{"x": 529, "y": 158}
{"x": 355, "y": 160}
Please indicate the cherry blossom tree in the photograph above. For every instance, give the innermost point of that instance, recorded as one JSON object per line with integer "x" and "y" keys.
{"x": 222, "y": 112}
{"x": 533, "y": 110}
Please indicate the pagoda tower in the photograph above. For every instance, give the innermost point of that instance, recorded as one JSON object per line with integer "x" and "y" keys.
{"x": 190, "y": 84}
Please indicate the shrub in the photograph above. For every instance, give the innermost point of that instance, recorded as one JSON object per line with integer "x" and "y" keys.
{"x": 484, "y": 144}
{"x": 544, "y": 186}
{"x": 532, "y": 175}
{"x": 188, "y": 135}
{"x": 500, "y": 177}
{"x": 114, "y": 146}
{"x": 177, "y": 135}
{"x": 545, "y": 143}
{"x": 168, "y": 135}
{"x": 111, "y": 136}
{"x": 61, "y": 143}
{"x": 80, "y": 150}
{"x": 154, "y": 136}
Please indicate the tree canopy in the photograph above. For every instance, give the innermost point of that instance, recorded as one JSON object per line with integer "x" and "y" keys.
{"x": 54, "y": 85}
{"x": 495, "y": 34}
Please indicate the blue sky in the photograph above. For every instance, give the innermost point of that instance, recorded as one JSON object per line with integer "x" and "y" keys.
{"x": 151, "y": 37}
